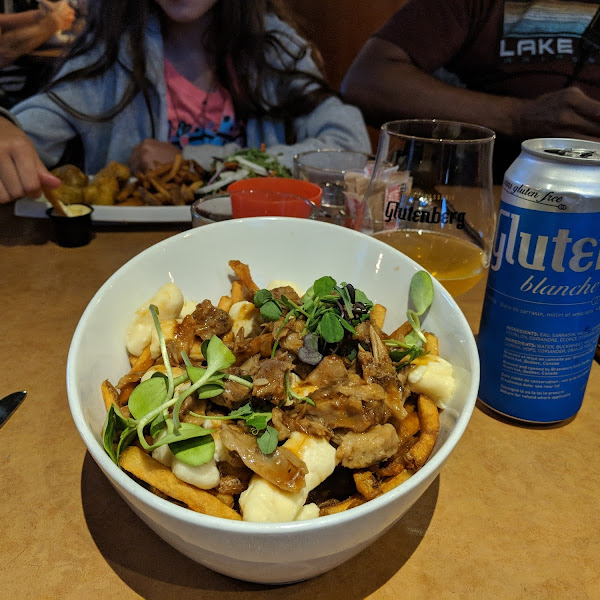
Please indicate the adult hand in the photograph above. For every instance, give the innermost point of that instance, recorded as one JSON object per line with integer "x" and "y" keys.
{"x": 61, "y": 12}
{"x": 564, "y": 113}
{"x": 22, "y": 173}
{"x": 149, "y": 152}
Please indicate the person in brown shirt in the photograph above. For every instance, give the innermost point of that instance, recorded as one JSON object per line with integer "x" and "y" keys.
{"x": 23, "y": 32}
{"x": 519, "y": 67}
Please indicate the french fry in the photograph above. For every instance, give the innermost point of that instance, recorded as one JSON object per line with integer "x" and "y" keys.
{"x": 394, "y": 466}
{"x": 144, "y": 467}
{"x": 226, "y": 499}
{"x": 366, "y": 484}
{"x": 431, "y": 346}
{"x": 187, "y": 195}
{"x": 52, "y": 196}
{"x": 159, "y": 170}
{"x": 225, "y": 303}
{"x": 396, "y": 480}
{"x": 126, "y": 192}
{"x": 143, "y": 362}
{"x": 401, "y": 332}
{"x": 159, "y": 188}
{"x": 338, "y": 507}
{"x": 378, "y": 315}
{"x": 125, "y": 392}
{"x": 195, "y": 352}
{"x": 237, "y": 291}
{"x": 410, "y": 425}
{"x": 174, "y": 168}
{"x": 196, "y": 185}
{"x": 429, "y": 420}
{"x": 110, "y": 395}
{"x": 243, "y": 273}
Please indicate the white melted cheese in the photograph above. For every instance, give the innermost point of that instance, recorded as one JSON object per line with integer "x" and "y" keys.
{"x": 205, "y": 477}
{"x": 264, "y": 502}
{"x": 168, "y": 328}
{"x": 308, "y": 511}
{"x": 245, "y": 316}
{"x": 434, "y": 377}
{"x": 169, "y": 301}
{"x": 301, "y": 388}
{"x": 189, "y": 306}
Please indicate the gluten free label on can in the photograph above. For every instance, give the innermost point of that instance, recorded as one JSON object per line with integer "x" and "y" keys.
{"x": 541, "y": 316}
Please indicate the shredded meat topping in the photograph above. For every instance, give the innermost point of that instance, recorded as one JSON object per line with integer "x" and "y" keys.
{"x": 269, "y": 381}
{"x": 360, "y": 450}
{"x": 288, "y": 292}
{"x": 210, "y": 320}
{"x": 352, "y": 404}
{"x": 281, "y": 468}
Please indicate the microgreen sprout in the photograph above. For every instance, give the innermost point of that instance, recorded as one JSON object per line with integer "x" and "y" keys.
{"x": 151, "y": 400}
{"x": 402, "y": 358}
{"x": 218, "y": 357}
{"x": 330, "y": 310}
{"x": 163, "y": 349}
{"x": 309, "y": 352}
{"x": 421, "y": 294}
{"x": 256, "y": 421}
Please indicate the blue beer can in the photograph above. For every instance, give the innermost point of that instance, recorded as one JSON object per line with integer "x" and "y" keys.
{"x": 541, "y": 315}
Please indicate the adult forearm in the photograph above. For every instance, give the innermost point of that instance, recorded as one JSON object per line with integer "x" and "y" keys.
{"x": 397, "y": 90}
{"x": 14, "y": 44}
{"x": 11, "y": 21}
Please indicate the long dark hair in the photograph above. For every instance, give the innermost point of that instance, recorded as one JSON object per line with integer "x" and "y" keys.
{"x": 238, "y": 44}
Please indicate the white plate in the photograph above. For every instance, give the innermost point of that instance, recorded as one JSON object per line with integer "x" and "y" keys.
{"x": 27, "y": 207}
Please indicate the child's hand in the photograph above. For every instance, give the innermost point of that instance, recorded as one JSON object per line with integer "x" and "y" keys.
{"x": 22, "y": 173}
{"x": 149, "y": 153}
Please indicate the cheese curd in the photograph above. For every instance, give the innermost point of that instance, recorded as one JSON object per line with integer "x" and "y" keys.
{"x": 205, "y": 477}
{"x": 434, "y": 377}
{"x": 245, "y": 316}
{"x": 189, "y": 306}
{"x": 169, "y": 301}
{"x": 265, "y": 502}
{"x": 168, "y": 328}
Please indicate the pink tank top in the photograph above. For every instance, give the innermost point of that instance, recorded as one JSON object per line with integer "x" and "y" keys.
{"x": 199, "y": 117}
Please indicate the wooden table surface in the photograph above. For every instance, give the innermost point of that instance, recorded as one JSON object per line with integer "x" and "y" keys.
{"x": 515, "y": 512}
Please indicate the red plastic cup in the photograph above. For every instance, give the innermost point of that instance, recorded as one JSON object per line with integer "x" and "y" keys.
{"x": 269, "y": 203}
{"x": 306, "y": 189}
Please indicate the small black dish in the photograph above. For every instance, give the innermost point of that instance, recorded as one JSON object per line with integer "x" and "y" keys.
{"x": 71, "y": 232}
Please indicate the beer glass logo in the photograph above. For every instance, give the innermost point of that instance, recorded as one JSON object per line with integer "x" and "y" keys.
{"x": 394, "y": 210}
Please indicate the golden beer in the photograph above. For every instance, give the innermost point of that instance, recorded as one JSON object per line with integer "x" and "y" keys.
{"x": 457, "y": 263}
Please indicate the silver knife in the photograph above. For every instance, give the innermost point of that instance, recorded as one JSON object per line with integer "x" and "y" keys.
{"x": 9, "y": 404}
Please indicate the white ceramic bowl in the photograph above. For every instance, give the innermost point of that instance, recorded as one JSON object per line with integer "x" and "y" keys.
{"x": 274, "y": 248}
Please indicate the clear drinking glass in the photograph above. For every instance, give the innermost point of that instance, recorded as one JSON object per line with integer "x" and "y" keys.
{"x": 431, "y": 197}
{"x": 342, "y": 176}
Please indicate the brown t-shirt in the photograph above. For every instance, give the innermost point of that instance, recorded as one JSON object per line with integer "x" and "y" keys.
{"x": 519, "y": 48}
